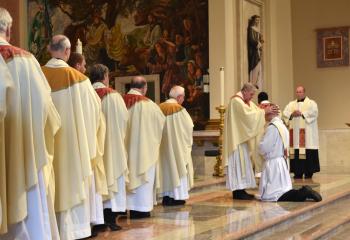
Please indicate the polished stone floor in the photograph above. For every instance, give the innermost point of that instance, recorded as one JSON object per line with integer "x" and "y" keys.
{"x": 210, "y": 213}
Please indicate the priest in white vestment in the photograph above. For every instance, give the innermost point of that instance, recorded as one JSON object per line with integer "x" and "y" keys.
{"x": 6, "y": 88}
{"x": 115, "y": 156}
{"x": 143, "y": 137}
{"x": 28, "y": 131}
{"x": 78, "y": 158}
{"x": 301, "y": 117}
{"x": 243, "y": 122}
{"x": 175, "y": 163}
{"x": 275, "y": 183}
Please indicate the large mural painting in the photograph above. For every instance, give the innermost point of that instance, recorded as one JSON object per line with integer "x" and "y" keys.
{"x": 131, "y": 37}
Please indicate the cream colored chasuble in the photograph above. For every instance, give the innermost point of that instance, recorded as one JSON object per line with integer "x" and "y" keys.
{"x": 243, "y": 122}
{"x": 176, "y": 146}
{"x": 115, "y": 155}
{"x": 143, "y": 137}
{"x": 79, "y": 148}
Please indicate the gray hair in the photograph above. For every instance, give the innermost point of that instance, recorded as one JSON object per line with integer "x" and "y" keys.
{"x": 247, "y": 87}
{"x": 176, "y": 91}
{"x": 59, "y": 45}
{"x": 97, "y": 73}
{"x": 5, "y": 19}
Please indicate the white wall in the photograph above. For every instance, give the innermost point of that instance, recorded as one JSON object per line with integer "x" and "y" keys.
{"x": 328, "y": 86}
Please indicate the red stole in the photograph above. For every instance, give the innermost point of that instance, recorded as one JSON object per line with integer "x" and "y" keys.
{"x": 102, "y": 92}
{"x": 131, "y": 99}
{"x": 8, "y": 52}
{"x": 301, "y": 138}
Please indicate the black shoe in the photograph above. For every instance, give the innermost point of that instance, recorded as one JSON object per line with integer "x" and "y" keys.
{"x": 137, "y": 215}
{"x": 308, "y": 176}
{"x": 312, "y": 194}
{"x": 296, "y": 176}
{"x": 242, "y": 195}
{"x": 122, "y": 213}
{"x": 98, "y": 228}
{"x": 168, "y": 201}
{"x": 109, "y": 216}
{"x": 179, "y": 202}
{"x": 114, "y": 227}
{"x": 93, "y": 234}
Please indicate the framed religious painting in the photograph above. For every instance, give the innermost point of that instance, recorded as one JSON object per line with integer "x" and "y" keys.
{"x": 332, "y": 47}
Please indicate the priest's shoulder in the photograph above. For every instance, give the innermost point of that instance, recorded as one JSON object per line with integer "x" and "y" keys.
{"x": 131, "y": 99}
{"x": 103, "y": 92}
{"x": 170, "y": 108}
{"x": 75, "y": 74}
{"x": 62, "y": 77}
{"x": 8, "y": 52}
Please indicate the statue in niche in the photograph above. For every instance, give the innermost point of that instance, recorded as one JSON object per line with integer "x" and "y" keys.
{"x": 255, "y": 42}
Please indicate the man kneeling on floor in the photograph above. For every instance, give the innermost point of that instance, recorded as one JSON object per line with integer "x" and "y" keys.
{"x": 275, "y": 183}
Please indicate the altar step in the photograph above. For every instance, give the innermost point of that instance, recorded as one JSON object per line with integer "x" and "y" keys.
{"x": 328, "y": 219}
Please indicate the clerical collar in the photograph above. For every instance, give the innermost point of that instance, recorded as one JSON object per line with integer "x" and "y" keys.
{"x": 59, "y": 59}
{"x": 301, "y": 100}
{"x": 98, "y": 85}
{"x": 171, "y": 100}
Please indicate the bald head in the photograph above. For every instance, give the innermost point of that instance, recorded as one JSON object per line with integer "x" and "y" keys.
{"x": 139, "y": 84}
{"x": 5, "y": 24}
{"x": 59, "y": 47}
{"x": 300, "y": 92}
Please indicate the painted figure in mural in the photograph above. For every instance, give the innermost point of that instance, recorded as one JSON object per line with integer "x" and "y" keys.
{"x": 95, "y": 38}
{"x": 255, "y": 41}
{"x": 137, "y": 37}
{"x": 153, "y": 33}
{"x": 39, "y": 34}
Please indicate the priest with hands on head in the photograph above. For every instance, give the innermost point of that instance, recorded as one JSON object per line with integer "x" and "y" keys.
{"x": 243, "y": 122}
{"x": 175, "y": 163}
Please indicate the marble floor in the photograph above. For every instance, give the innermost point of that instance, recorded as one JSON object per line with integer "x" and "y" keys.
{"x": 210, "y": 213}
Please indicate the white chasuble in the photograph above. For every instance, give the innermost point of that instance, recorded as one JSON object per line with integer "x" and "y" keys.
{"x": 79, "y": 148}
{"x": 30, "y": 119}
{"x": 243, "y": 122}
{"x": 175, "y": 163}
{"x": 6, "y": 88}
{"x": 143, "y": 137}
{"x": 115, "y": 155}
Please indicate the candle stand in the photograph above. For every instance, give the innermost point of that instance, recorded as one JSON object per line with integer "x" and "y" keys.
{"x": 218, "y": 168}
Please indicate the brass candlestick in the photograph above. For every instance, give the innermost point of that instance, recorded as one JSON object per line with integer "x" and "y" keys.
{"x": 218, "y": 168}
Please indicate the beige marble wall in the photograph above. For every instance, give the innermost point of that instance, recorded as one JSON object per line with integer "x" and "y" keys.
{"x": 335, "y": 149}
